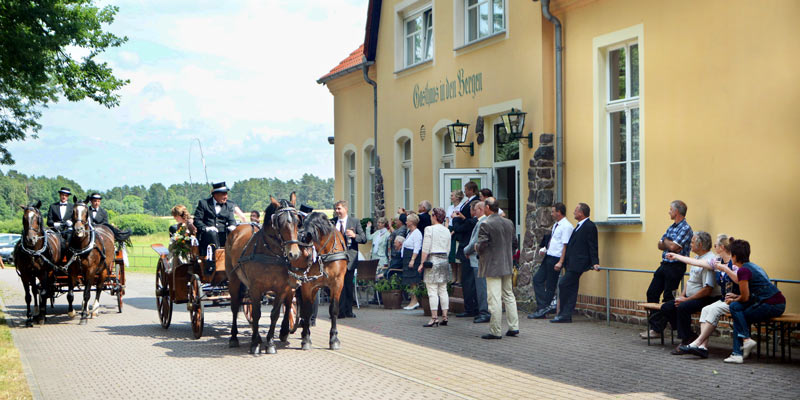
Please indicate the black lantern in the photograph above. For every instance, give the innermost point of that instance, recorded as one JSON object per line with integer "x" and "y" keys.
{"x": 458, "y": 135}
{"x": 514, "y": 123}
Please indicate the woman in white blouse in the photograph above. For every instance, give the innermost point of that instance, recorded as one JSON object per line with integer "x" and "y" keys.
{"x": 435, "y": 245}
{"x": 378, "y": 239}
{"x": 411, "y": 262}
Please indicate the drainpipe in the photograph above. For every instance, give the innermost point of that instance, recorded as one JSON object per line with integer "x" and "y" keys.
{"x": 365, "y": 68}
{"x": 559, "y": 103}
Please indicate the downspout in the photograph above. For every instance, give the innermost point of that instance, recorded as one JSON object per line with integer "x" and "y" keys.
{"x": 365, "y": 68}
{"x": 559, "y": 103}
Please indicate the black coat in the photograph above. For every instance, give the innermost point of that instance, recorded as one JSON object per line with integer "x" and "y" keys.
{"x": 54, "y": 214}
{"x": 424, "y": 221}
{"x": 206, "y": 216}
{"x": 463, "y": 233}
{"x": 101, "y": 218}
{"x": 582, "y": 248}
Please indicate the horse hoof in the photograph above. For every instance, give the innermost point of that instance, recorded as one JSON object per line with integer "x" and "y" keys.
{"x": 271, "y": 349}
{"x": 284, "y": 339}
{"x": 71, "y": 314}
{"x": 233, "y": 343}
{"x": 40, "y": 321}
{"x": 306, "y": 346}
{"x": 255, "y": 349}
{"x": 335, "y": 345}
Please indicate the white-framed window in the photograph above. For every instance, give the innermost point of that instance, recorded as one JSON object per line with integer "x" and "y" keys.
{"x": 406, "y": 166}
{"x": 483, "y": 18}
{"x": 418, "y": 37}
{"x": 622, "y": 118}
{"x": 370, "y": 180}
{"x": 351, "y": 182}
{"x": 448, "y": 152}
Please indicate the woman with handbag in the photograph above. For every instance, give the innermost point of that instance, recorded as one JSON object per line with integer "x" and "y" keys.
{"x": 435, "y": 246}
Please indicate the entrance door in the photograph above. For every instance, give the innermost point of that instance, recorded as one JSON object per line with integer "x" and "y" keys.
{"x": 451, "y": 179}
{"x": 506, "y": 190}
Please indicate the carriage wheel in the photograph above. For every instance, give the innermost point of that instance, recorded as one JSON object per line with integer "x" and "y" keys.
{"x": 118, "y": 270}
{"x": 247, "y": 310}
{"x": 294, "y": 317}
{"x": 163, "y": 301}
{"x": 195, "y": 294}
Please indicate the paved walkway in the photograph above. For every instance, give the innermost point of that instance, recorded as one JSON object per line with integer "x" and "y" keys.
{"x": 385, "y": 355}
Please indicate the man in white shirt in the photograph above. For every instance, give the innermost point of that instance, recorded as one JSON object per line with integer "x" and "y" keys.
{"x": 546, "y": 278}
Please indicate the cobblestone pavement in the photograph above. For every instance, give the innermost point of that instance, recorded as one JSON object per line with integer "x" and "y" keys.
{"x": 385, "y": 355}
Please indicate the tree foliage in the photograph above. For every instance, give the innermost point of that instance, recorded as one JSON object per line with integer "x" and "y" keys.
{"x": 36, "y": 66}
{"x": 252, "y": 194}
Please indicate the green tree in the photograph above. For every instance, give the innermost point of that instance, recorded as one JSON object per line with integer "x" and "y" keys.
{"x": 36, "y": 67}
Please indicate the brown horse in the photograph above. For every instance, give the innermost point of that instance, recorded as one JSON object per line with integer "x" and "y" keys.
{"x": 34, "y": 258}
{"x": 93, "y": 248}
{"x": 329, "y": 269}
{"x": 260, "y": 261}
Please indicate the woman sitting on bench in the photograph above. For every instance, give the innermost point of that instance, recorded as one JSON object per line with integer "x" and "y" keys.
{"x": 759, "y": 300}
{"x": 728, "y": 283}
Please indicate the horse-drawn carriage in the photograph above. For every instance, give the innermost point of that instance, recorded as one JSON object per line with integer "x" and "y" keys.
{"x": 188, "y": 279}
{"x": 114, "y": 282}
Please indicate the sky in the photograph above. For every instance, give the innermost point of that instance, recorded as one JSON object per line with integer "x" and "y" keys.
{"x": 239, "y": 76}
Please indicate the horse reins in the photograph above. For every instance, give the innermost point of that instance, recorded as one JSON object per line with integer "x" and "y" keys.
{"x": 323, "y": 259}
{"x": 77, "y": 253}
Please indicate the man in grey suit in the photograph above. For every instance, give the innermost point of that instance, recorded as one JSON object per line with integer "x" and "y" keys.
{"x": 495, "y": 254}
{"x": 354, "y": 235}
{"x": 469, "y": 250}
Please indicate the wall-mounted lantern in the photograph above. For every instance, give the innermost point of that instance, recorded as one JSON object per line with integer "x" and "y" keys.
{"x": 458, "y": 135}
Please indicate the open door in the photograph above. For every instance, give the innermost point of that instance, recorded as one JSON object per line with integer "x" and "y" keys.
{"x": 451, "y": 179}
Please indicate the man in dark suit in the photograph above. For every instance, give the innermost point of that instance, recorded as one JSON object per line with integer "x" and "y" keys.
{"x": 463, "y": 224}
{"x": 354, "y": 235}
{"x": 213, "y": 218}
{"x": 59, "y": 217}
{"x": 495, "y": 244}
{"x": 98, "y": 214}
{"x": 581, "y": 256}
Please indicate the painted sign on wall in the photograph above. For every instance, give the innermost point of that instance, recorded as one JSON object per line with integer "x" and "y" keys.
{"x": 462, "y": 85}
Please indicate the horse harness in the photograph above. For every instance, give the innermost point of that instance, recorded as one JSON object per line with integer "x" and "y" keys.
{"x": 323, "y": 259}
{"x": 38, "y": 253}
{"x": 78, "y": 253}
{"x": 269, "y": 258}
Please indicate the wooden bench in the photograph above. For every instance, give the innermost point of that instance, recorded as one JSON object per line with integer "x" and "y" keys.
{"x": 651, "y": 308}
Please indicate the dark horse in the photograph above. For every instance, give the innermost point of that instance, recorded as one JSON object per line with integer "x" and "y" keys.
{"x": 261, "y": 261}
{"x": 329, "y": 269}
{"x": 93, "y": 248}
{"x": 35, "y": 257}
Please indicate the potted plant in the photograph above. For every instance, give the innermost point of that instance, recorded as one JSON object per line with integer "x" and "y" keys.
{"x": 391, "y": 292}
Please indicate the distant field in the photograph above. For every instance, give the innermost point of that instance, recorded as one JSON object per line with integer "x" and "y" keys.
{"x": 141, "y": 257}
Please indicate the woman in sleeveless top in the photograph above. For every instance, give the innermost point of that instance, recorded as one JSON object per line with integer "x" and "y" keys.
{"x": 435, "y": 248}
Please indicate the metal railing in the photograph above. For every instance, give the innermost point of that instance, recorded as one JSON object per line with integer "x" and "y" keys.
{"x": 608, "y": 284}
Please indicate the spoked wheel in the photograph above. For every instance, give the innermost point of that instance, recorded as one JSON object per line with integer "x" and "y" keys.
{"x": 294, "y": 317}
{"x": 118, "y": 270}
{"x": 163, "y": 301}
{"x": 195, "y": 294}
{"x": 247, "y": 310}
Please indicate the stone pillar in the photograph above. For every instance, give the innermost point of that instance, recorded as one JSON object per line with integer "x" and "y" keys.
{"x": 538, "y": 222}
{"x": 380, "y": 208}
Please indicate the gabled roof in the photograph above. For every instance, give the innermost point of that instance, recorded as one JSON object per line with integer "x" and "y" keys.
{"x": 346, "y": 66}
{"x": 371, "y": 31}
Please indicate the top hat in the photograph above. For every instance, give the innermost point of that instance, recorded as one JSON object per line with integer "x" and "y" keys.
{"x": 219, "y": 187}
{"x": 95, "y": 196}
{"x": 64, "y": 190}
{"x": 305, "y": 209}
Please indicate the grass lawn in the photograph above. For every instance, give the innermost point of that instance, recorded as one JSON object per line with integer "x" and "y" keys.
{"x": 13, "y": 384}
{"x": 141, "y": 257}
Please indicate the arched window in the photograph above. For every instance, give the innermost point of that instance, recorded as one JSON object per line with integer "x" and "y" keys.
{"x": 448, "y": 152}
{"x": 369, "y": 181}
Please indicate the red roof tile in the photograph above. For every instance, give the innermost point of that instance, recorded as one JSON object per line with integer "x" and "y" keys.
{"x": 353, "y": 60}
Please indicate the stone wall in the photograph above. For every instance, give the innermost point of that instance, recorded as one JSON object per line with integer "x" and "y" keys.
{"x": 380, "y": 210}
{"x": 541, "y": 184}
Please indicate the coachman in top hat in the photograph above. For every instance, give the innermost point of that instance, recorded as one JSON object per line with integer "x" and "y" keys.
{"x": 59, "y": 217}
{"x": 213, "y": 218}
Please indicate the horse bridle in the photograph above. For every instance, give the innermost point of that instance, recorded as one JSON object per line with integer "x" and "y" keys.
{"x": 274, "y": 222}
{"x": 77, "y": 253}
{"x": 36, "y": 253}
{"x": 323, "y": 259}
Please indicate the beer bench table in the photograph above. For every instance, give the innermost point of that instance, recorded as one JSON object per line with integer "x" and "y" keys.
{"x": 784, "y": 325}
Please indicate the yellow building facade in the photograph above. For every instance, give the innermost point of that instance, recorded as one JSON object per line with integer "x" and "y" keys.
{"x": 685, "y": 100}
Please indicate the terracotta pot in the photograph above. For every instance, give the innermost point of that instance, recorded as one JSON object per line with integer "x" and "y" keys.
{"x": 392, "y": 299}
{"x": 426, "y": 306}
